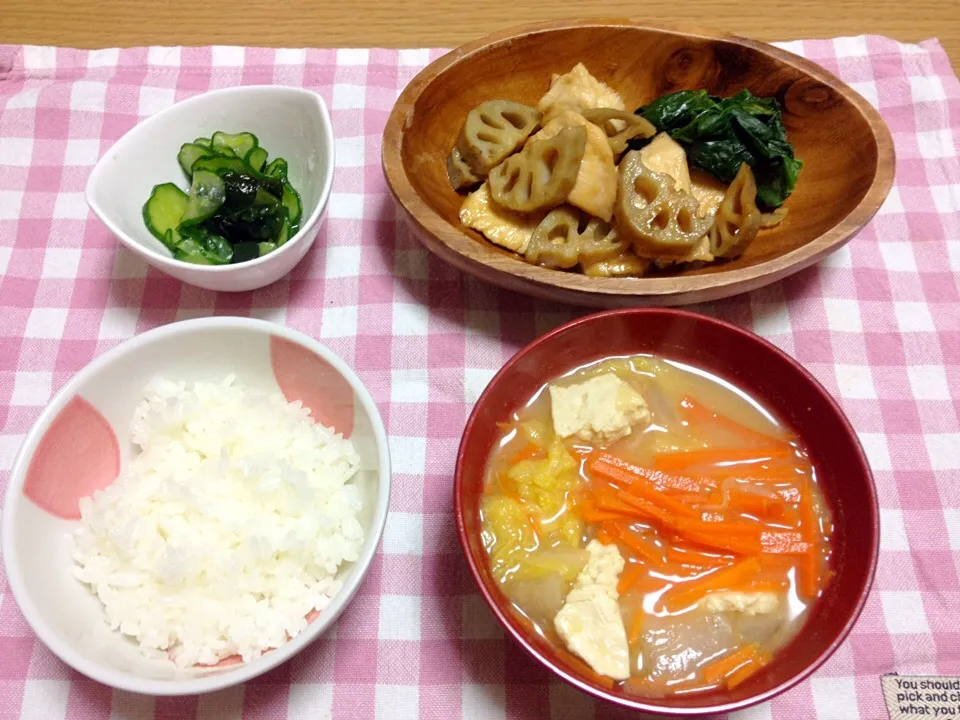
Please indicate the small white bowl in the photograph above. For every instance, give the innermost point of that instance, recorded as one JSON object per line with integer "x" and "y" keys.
{"x": 290, "y": 123}
{"x": 81, "y": 440}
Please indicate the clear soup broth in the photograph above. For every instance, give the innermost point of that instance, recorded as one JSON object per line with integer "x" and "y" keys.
{"x": 711, "y": 503}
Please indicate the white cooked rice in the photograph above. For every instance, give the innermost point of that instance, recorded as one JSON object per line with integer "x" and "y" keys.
{"x": 228, "y": 527}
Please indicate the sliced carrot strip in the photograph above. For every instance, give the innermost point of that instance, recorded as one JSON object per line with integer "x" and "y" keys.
{"x": 644, "y": 581}
{"x": 719, "y": 669}
{"x": 582, "y": 668}
{"x": 643, "y": 549}
{"x": 807, "y": 576}
{"x": 691, "y": 499}
{"x": 698, "y": 413}
{"x": 629, "y": 577}
{"x": 510, "y": 494}
{"x": 779, "y": 470}
{"x": 677, "y": 570}
{"x": 740, "y": 458}
{"x": 770, "y": 505}
{"x": 690, "y": 556}
{"x": 760, "y": 505}
{"x": 765, "y": 585}
{"x": 713, "y": 517}
{"x": 619, "y": 470}
{"x": 641, "y": 686}
{"x": 771, "y": 578}
{"x": 736, "y": 537}
{"x": 744, "y": 672}
{"x": 595, "y": 517}
{"x": 647, "y": 492}
{"x": 808, "y": 579}
{"x": 685, "y": 688}
{"x": 784, "y": 543}
{"x": 604, "y": 538}
{"x": 807, "y": 585}
{"x": 641, "y": 507}
{"x": 639, "y": 498}
{"x": 738, "y": 546}
{"x": 788, "y": 494}
{"x": 636, "y": 628}
{"x": 687, "y": 593}
{"x": 610, "y": 501}
{"x": 529, "y": 452}
{"x": 778, "y": 563}
{"x": 650, "y": 584}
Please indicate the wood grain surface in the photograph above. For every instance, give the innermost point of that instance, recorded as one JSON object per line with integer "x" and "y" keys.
{"x": 443, "y": 23}
{"x": 845, "y": 145}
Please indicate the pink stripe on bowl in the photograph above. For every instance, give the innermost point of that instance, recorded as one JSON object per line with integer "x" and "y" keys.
{"x": 77, "y": 456}
{"x": 307, "y": 377}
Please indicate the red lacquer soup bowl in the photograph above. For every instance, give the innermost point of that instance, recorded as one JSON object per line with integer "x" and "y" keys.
{"x": 770, "y": 376}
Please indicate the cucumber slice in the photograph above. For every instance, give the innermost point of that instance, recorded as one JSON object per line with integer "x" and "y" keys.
{"x": 189, "y": 154}
{"x": 163, "y": 210}
{"x": 172, "y": 239}
{"x": 220, "y": 164}
{"x": 277, "y": 169}
{"x": 239, "y": 144}
{"x": 205, "y": 142}
{"x": 207, "y": 194}
{"x": 256, "y": 158}
{"x": 194, "y": 258}
{"x": 291, "y": 201}
{"x": 264, "y": 197}
{"x": 284, "y": 234}
{"x": 198, "y": 241}
{"x": 189, "y": 251}
{"x": 266, "y": 248}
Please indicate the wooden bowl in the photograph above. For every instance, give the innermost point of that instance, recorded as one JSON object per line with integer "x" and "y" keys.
{"x": 765, "y": 373}
{"x": 845, "y": 146}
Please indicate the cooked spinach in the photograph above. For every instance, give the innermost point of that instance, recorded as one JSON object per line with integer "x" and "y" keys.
{"x": 234, "y": 211}
{"x": 720, "y": 134}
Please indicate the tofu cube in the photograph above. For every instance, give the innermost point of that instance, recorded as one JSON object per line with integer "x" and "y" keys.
{"x": 599, "y": 410}
{"x": 748, "y": 603}
{"x": 589, "y": 623}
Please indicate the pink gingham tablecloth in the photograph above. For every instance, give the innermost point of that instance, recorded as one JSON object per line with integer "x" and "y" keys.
{"x": 878, "y": 323}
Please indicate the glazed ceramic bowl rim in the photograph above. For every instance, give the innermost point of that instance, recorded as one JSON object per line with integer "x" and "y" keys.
{"x": 246, "y": 671}
{"x": 520, "y": 636}
{"x": 133, "y": 136}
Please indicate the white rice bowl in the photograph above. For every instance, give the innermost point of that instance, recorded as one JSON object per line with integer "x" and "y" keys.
{"x": 40, "y": 543}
